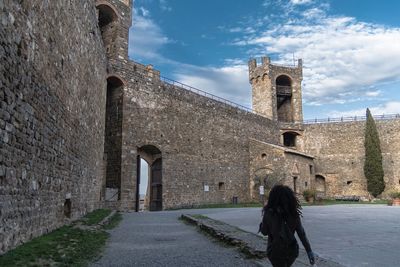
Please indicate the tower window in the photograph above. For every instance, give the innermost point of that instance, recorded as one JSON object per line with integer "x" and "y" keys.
{"x": 289, "y": 139}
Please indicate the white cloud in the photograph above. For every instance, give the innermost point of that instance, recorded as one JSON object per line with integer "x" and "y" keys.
{"x": 164, "y": 5}
{"x": 391, "y": 107}
{"x": 342, "y": 56}
{"x": 301, "y": 2}
{"x": 373, "y": 93}
{"x": 145, "y": 37}
{"x": 229, "y": 82}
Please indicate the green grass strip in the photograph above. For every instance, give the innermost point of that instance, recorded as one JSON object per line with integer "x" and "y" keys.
{"x": 96, "y": 216}
{"x": 66, "y": 246}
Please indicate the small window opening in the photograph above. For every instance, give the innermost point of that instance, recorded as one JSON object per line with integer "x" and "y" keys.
{"x": 306, "y": 184}
{"x": 295, "y": 184}
{"x": 399, "y": 181}
{"x": 289, "y": 139}
{"x": 349, "y": 182}
{"x": 263, "y": 155}
{"x": 311, "y": 169}
{"x": 221, "y": 186}
{"x": 67, "y": 208}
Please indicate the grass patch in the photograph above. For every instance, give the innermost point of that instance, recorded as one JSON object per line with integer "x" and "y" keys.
{"x": 66, "y": 246}
{"x": 338, "y": 202}
{"x": 199, "y": 216}
{"x": 96, "y": 216}
{"x": 114, "y": 221}
{"x": 228, "y": 205}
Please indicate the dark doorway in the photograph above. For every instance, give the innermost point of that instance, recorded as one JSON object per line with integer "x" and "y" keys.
{"x": 67, "y": 208}
{"x": 156, "y": 186}
{"x": 295, "y": 184}
{"x": 320, "y": 186}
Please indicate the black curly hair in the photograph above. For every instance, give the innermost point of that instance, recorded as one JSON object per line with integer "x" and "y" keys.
{"x": 283, "y": 198}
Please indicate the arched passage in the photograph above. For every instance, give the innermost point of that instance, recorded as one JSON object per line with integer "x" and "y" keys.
{"x": 320, "y": 185}
{"x": 284, "y": 98}
{"x": 108, "y": 21}
{"x": 113, "y": 137}
{"x": 152, "y": 155}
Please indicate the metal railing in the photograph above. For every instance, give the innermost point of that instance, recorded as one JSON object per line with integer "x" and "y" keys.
{"x": 284, "y": 90}
{"x": 352, "y": 119}
{"x": 203, "y": 93}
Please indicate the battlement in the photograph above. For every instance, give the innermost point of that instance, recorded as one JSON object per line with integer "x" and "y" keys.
{"x": 259, "y": 70}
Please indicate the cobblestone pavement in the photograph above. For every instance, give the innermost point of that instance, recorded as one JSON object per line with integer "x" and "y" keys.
{"x": 160, "y": 239}
{"x": 352, "y": 235}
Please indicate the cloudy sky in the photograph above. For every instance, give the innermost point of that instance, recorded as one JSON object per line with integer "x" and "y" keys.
{"x": 350, "y": 49}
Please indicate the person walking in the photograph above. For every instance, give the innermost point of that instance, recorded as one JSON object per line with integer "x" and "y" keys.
{"x": 281, "y": 219}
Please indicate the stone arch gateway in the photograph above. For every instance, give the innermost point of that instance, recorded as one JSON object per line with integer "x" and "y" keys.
{"x": 153, "y": 156}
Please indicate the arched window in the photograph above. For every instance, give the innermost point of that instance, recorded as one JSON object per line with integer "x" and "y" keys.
{"x": 107, "y": 20}
{"x": 284, "y": 98}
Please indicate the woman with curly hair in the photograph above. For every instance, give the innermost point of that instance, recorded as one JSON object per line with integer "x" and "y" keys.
{"x": 281, "y": 219}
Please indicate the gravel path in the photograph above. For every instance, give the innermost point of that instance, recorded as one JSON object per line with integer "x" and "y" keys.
{"x": 160, "y": 239}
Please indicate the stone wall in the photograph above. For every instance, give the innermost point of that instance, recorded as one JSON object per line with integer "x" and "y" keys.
{"x": 271, "y": 164}
{"x": 340, "y": 154}
{"x": 52, "y": 114}
{"x": 202, "y": 141}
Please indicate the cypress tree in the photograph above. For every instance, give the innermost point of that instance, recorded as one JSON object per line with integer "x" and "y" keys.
{"x": 373, "y": 169}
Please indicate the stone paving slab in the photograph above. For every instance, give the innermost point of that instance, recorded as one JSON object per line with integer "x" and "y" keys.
{"x": 249, "y": 243}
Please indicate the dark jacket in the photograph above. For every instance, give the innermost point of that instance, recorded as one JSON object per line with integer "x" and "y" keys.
{"x": 270, "y": 226}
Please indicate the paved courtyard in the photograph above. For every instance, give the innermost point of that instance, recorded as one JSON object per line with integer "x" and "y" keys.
{"x": 352, "y": 235}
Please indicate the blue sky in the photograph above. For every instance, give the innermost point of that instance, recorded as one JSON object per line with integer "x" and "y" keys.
{"x": 350, "y": 49}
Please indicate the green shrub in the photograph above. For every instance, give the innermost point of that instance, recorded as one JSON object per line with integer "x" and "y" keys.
{"x": 308, "y": 193}
{"x": 394, "y": 194}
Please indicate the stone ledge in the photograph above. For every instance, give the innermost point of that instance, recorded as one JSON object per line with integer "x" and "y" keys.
{"x": 251, "y": 244}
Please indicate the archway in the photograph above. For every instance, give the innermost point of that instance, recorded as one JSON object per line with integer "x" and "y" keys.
{"x": 153, "y": 157}
{"x": 320, "y": 186}
{"x": 113, "y": 138}
{"x": 108, "y": 21}
{"x": 284, "y": 98}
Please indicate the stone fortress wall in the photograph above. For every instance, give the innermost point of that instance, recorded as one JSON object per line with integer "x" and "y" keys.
{"x": 76, "y": 116}
{"x": 339, "y": 154}
{"x": 52, "y": 98}
{"x": 201, "y": 141}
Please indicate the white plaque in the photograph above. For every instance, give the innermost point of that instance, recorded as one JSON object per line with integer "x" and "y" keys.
{"x": 261, "y": 190}
{"x": 206, "y": 188}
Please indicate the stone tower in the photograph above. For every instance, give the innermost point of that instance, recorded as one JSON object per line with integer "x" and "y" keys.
{"x": 114, "y": 21}
{"x": 276, "y": 90}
